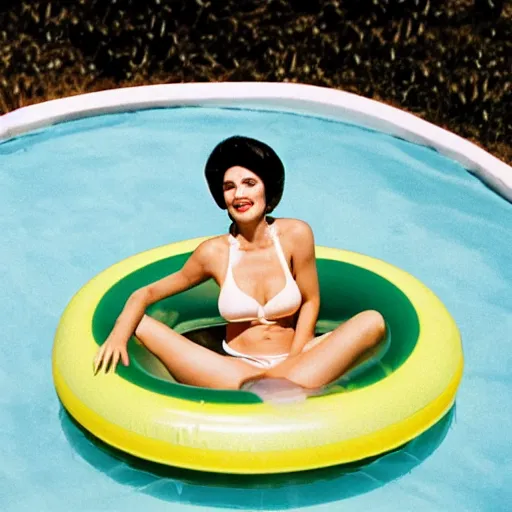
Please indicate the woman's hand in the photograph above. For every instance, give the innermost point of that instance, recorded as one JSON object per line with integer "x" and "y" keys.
{"x": 109, "y": 354}
{"x": 196, "y": 270}
{"x": 114, "y": 348}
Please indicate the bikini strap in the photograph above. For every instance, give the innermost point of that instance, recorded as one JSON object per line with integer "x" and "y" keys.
{"x": 234, "y": 251}
{"x": 279, "y": 250}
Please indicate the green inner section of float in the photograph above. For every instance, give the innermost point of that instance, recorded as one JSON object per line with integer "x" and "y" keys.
{"x": 345, "y": 290}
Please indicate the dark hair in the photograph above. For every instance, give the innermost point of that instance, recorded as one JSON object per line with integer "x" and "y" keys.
{"x": 252, "y": 154}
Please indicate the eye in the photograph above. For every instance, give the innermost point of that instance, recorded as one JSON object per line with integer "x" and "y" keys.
{"x": 227, "y": 186}
{"x": 250, "y": 182}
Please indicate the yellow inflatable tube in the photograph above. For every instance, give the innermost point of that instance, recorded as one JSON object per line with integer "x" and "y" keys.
{"x": 141, "y": 410}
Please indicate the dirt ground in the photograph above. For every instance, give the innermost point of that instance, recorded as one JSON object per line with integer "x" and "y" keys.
{"x": 447, "y": 61}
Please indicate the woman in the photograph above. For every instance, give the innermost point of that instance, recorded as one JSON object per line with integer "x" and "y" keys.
{"x": 269, "y": 291}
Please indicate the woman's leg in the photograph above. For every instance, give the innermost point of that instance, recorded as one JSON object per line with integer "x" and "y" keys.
{"x": 329, "y": 359}
{"x": 190, "y": 363}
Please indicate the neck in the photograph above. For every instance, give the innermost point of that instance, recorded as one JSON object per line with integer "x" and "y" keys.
{"x": 254, "y": 233}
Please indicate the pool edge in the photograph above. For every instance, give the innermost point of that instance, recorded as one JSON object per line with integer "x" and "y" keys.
{"x": 297, "y": 98}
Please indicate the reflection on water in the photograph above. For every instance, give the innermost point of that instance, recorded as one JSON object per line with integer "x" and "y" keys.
{"x": 269, "y": 492}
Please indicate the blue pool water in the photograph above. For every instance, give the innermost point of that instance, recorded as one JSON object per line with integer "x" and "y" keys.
{"x": 80, "y": 196}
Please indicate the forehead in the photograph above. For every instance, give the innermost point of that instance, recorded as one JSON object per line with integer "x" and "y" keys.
{"x": 239, "y": 173}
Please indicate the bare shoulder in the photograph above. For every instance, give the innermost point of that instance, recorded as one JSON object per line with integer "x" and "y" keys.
{"x": 211, "y": 248}
{"x": 295, "y": 230}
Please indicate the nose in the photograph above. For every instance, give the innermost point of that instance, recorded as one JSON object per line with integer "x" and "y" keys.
{"x": 239, "y": 190}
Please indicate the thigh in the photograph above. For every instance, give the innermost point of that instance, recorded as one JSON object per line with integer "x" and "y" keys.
{"x": 190, "y": 363}
{"x": 328, "y": 358}
{"x": 280, "y": 370}
{"x": 315, "y": 341}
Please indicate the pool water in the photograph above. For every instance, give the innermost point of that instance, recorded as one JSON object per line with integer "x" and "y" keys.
{"x": 80, "y": 196}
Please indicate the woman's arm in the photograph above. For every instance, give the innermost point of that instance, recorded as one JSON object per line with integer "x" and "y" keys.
{"x": 306, "y": 276}
{"x": 196, "y": 270}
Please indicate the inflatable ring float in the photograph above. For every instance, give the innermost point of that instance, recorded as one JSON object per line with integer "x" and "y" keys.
{"x": 143, "y": 411}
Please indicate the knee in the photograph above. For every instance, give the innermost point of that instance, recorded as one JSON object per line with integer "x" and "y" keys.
{"x": 375, "y": 324}
{"x": 143, "y": 327}
{"x": 139, "y": 330}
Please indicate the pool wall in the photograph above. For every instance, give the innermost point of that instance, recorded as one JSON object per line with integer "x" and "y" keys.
{"x": 295, "y": 98}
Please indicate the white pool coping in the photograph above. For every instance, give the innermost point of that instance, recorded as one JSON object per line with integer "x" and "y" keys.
{"x": 297, "y": 98}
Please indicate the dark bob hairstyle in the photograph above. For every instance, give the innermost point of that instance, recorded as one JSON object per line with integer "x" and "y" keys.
{"x": 251, "y": 154}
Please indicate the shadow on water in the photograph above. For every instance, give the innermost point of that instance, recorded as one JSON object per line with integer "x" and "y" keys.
{"x": 269, "y": 492}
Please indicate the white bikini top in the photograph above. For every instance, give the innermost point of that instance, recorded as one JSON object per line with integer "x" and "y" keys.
{"x": 236, "y": 306}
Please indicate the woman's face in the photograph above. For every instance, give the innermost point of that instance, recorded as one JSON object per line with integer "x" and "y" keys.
{"x": 244, "y": 193}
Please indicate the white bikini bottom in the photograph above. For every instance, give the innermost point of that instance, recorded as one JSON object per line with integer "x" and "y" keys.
{"x": 268, "y": 361}
{"x": 259, "y": 361}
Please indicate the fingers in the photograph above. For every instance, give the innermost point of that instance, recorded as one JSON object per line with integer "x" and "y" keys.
{"x": 124, "y": 357}
{"x": 98, "y": 360}
{"x": 103, "y": 359}
{"x": 107, "y": 358}
{"x": 115, "y": 359}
